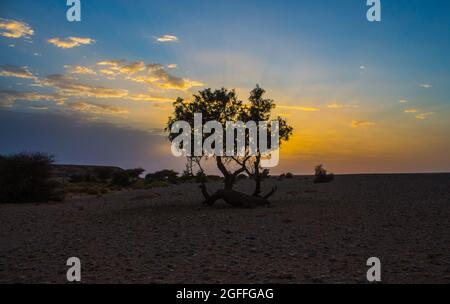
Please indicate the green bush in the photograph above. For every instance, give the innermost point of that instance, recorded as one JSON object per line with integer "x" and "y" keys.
{"x": 25, "y": 177}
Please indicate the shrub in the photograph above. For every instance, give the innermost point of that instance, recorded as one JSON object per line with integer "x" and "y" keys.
{"x": 321, "y": 175}
{"x": 134, "y": 174}
{"x": 163, "y": 175}
{"x": 265, "y": 173}
{"x": 289, "y": 175}
{"x": 25, "y": 177}
{"x": 120, "y": 178}
{"x": 104, "y": 173}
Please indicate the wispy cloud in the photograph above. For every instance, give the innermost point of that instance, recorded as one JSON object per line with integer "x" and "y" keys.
{"x": 38, "y": 107}
{"x": 152, "y": 73}
{"x": 78, "y": 69}
{"x": 9, "y": 97}
{"x": 146, "y": 97}
{"x": 411, "y": 110}
{"x": 425, "y": 85}
{"x": 68, "y": 87}
{"x": 15, "y": 29}
{"x": 299, "y": 108}
{"x": 423, "y": 116}
{"x": 96, "y": 108}
{"x": 70, "y": 42}
{"x": 403, "y": 101}
{"x": 335, "y": 106}
{"x": 362, "y": 123}
{"x": 172, "y": 66}
{"x": 167, "y": 38}
{"x": 16, "y": 71}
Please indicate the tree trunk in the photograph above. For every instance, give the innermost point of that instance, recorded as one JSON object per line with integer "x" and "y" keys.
{"x": 257, "y": 177}
{"x": 235, "y": 198}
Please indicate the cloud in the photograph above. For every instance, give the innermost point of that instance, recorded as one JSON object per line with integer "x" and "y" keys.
{"x": 70, "y": 42}
{"x": 335, "y": 106}
{"x": 146, "y": 97}
{"x": 15, "y": 29}
{"x": 67, "y": 87}
{"x": 95, "y": 108}
{"x": 167, "y": 38}
{"x": 152, "y": 73}
{"x": 411, "y": 110}
{"x": 16, "y": 71}
{"x": 425, "y": 85}
{"x": 362, "y": 123}
{"x": 122, "y": 67}
{"x": 424, "y": 116}
{"x": 299, "y": 108}
{"x": 78, "y": 69}
{"x": 38, "y": 107}
{"x": 9, "y": 97}
{"x": 172, "y": 66}
{"x": 403, "y": 101}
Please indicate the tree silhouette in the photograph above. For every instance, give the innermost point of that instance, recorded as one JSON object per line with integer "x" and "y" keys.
{"x": 223, "y": 105}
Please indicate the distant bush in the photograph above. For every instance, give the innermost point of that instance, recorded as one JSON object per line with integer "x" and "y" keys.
{"x": 289, "y": 175}
{"x": 134, "y": 174}
{"x": 163, "y": 175}
{"x": 321, "y": 175}
{"x": 81, "y": 178}
{"x": 25, "y": 177}
{"x": 265, "y": 173}
{"x": 86, "y": 188}
{"x": 120, "y": 178}
{"x": 104, "y": 173}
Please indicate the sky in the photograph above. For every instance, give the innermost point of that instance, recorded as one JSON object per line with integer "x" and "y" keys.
{"x": 363, "y": 97}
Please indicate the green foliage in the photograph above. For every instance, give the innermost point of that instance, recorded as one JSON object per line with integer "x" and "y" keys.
{"x": 25, "y": 177}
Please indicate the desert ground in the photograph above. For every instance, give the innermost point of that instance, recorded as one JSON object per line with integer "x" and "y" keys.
{"x": 311, "y": 233}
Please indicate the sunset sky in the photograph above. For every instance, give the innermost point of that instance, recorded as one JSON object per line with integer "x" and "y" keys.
{"x": 362, "y": 97}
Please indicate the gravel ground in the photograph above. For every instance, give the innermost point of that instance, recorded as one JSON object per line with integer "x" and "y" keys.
{"x": 312, "y": 233}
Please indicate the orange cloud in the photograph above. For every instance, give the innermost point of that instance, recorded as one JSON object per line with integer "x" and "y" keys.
{"x": 95, "y": 108}
{"x": 15, "y": 29}
{"x": 70, "y": 42}
{"x": 299, "y": 108}
{"x": 16, "y": 71}
{"x": 361, "y": 123}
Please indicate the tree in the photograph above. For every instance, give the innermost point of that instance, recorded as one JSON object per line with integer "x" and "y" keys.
{"x": 223, "y": 106}
{"x": 25, "y": 177}
{"x": 260, "y": 109}
{"x": 321, "y": 175}
{"x": 220, "y": 105}
{"x": 134, "y": 174}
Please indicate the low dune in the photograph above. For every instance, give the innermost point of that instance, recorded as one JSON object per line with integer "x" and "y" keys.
{"x": 311, "y": 233}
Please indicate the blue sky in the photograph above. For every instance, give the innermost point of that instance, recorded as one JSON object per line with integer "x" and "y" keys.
{"x": 337, "y": 78}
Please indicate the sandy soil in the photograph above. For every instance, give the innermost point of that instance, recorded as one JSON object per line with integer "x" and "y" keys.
{"x": 310, "y": 234}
